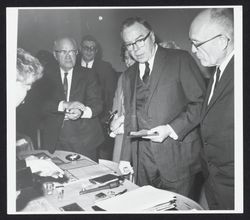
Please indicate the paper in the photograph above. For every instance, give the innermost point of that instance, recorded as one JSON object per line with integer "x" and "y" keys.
{"x": 142, "y": 133}
{"x": 138, "y": 200}
{"x": 111, "y": 165}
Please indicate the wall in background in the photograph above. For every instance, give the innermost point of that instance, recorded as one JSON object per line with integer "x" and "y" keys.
{"x": 38, "y": 28}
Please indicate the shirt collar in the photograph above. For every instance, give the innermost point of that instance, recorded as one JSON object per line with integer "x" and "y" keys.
{"x": 84, "y": 64}
{"x": 226, "y": 61}
{"x": 63, "y": 71}
{"x": 150, "y": 61}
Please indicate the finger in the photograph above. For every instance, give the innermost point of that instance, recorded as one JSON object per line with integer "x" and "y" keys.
{"x": 147, "y": 137}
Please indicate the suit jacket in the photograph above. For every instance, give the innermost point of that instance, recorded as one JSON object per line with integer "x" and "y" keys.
{"x": 84, "y": 133}
{"x": 217, "y": 124}
{"x": 176, "y": 95}
{"x": 107, "y": 79}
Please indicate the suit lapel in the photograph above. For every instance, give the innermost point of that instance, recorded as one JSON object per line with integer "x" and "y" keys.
{"x": 130, "y": 91}
{"x": 58, "y": 81}
{"x": 76, "y": 75}
{"x": 226, "y": 78}
{"x": 204, "y": 107}
{"x": 159, "y": 64}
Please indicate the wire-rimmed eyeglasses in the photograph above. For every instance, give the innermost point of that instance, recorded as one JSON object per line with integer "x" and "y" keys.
{"x": 197, "y": 45}
{"x": 64, "y": 52}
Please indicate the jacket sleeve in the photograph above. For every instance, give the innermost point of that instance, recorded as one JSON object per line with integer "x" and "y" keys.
{"x": 93, "y": 95}
{"x": 193, "y": 86}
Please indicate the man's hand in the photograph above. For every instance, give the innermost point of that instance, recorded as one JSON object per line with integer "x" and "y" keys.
{"x": 125, "y": 167}
{"x": 73, "y": 105}
{"x": 73, "y": 114}
{"x": 163, "y": 132}
{"x": 44, "y": 167}
{"x": 117, "y": 125}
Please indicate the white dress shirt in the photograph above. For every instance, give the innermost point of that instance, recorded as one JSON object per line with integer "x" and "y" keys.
{"x": 84, "y": 64}
{"x": 87, "y": 112}
{"x": 222, "y": 68}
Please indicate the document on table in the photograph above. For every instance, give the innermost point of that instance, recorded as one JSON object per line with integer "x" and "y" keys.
{"x": 142, "y": 199}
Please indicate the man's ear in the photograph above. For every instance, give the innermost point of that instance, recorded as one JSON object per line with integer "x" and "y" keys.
{"x": 152, "y": 35}
{"x": 54, "y": 54}
{"x": 224, "y": 42}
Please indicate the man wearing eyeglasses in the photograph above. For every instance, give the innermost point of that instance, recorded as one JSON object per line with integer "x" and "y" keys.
{"x": 91, "y": 59}
{"x": 163, "y": 93}
{"x": 73, "y": 104}
{"x": 212, "y": 37}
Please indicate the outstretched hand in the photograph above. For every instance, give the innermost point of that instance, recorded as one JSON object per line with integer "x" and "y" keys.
{"x": 163, "y": 132}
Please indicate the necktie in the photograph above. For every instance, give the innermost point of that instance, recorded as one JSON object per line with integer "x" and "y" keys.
{"x": 87, "y": 65}
{"x": 217, "y": 78}
{"x": 65, "y": 84}
{"x": 146, "y": 73}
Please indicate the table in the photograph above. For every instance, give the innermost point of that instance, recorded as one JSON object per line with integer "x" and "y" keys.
{"x": 82, "y": 170}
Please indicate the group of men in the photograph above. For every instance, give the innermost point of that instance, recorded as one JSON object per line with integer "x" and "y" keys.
{"x": 164, "y": 93}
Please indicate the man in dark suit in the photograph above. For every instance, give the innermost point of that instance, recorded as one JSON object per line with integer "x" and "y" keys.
{"x": 163, "y": 93}
{"x": 91, "y": 58}
{"x": 212, "y": 37}
{"x": 73, "y": 104}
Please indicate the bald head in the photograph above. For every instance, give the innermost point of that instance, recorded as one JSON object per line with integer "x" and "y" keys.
{"x": 65, "y": 51}
{"x": 218, "y": 20}
{"x": 212, "y": 35}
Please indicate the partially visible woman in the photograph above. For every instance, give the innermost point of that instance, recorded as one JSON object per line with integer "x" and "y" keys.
{"x": 116, "y": 126}
{"x": 29, "y": 70}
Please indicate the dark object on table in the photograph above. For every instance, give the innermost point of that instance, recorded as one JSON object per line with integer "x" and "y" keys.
{"x": 73, "y": 157}
{"x": 72, "y": 207}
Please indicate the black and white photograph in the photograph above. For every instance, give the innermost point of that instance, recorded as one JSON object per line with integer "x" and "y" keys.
{"x": 124, "y": 110}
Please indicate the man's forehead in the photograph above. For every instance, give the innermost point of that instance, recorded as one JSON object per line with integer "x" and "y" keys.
{"x": 65, "y": 43}
{"x": 135, "y": 30}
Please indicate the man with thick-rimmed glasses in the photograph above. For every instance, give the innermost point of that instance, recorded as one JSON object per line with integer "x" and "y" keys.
{"x": 163, "y": 93}
{"x": 72, "y": 105}
{"x": 212, "y": 37}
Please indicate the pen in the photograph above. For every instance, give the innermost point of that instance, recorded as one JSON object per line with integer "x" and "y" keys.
{"x": 119, "y": 193}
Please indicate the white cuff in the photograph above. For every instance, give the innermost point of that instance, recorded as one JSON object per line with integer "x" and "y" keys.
{"x": 172, "y": 134}
{"x": 87, "y": 113}
{"x": 60, "y": 106}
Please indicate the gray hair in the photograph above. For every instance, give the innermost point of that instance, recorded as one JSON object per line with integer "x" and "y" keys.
{"x": 28, "y": 67}
{"x": 224, "y": 18}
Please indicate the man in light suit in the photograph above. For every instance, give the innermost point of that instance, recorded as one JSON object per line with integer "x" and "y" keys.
{"x": 73, "y": 104}
{"x": 163, "y": 93}
{"x": 212, "y": 37}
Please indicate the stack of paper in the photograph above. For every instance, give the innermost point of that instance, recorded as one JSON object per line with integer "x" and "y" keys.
{"x": 145, "y": 199}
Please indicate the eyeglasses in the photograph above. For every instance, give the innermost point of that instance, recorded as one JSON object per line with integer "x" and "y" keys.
{"x": 89, "y": 48}
{"x": 199, "y": 44}
{"x": 138, "y": 43}
{"x": 64, "y": 52}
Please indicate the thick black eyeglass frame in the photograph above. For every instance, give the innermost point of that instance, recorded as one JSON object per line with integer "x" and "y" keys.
{"x": 136, "y": 42}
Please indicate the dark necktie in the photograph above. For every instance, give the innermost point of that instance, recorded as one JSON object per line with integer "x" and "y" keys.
{"x": 146, "y": 73}
{"x": 217, "y": 78}
{"x": 65, "y": 84}
{"x": 87, "y": 65}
